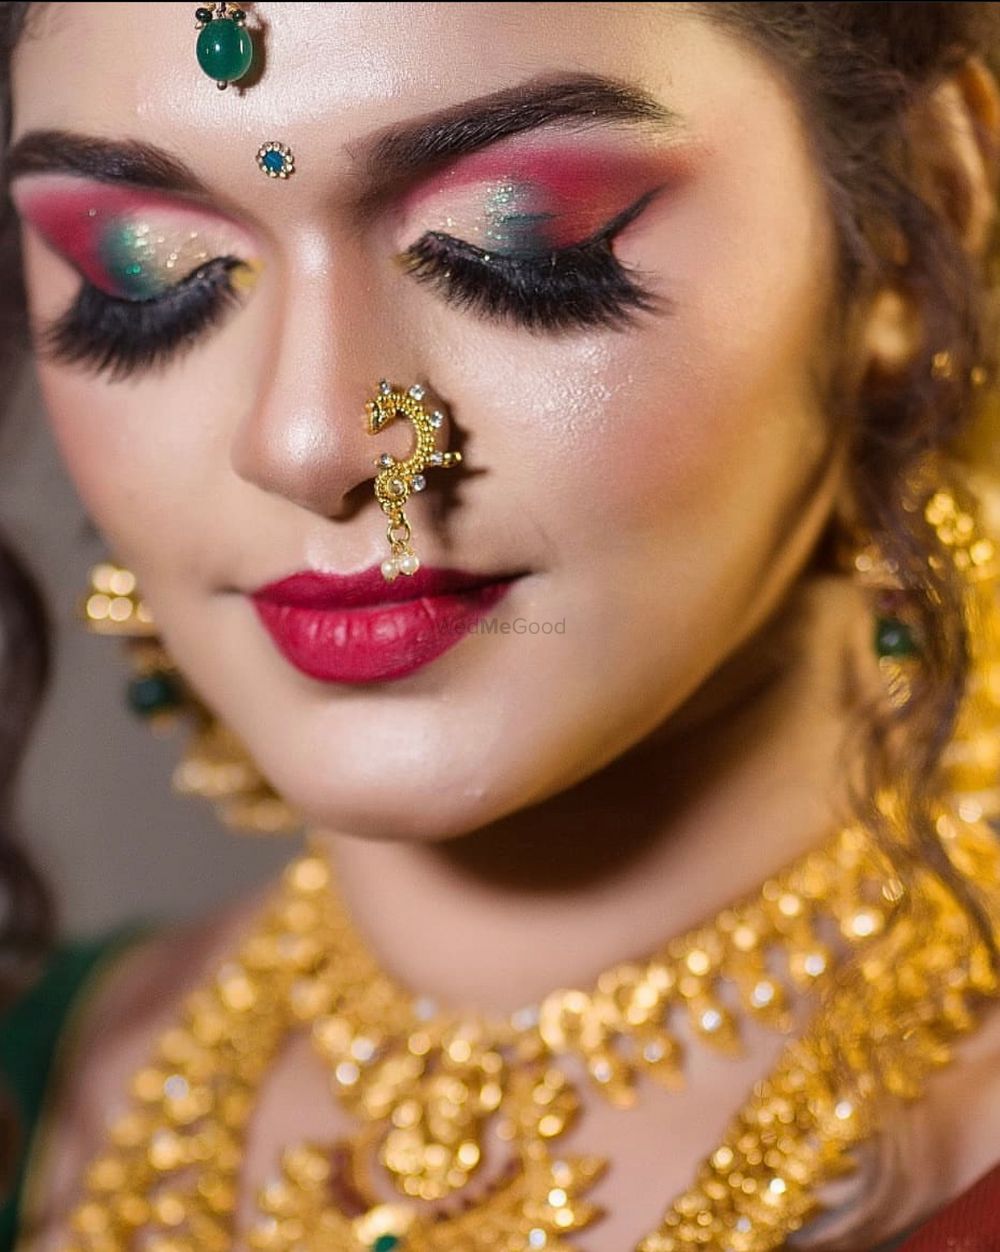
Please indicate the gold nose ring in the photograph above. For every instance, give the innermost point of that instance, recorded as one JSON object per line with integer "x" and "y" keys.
{"x": 397, "y": 479}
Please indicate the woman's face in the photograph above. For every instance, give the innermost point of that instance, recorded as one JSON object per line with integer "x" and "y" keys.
{"x": 640, "y": 417}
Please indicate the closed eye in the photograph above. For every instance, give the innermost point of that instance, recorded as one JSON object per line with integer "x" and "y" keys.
{"x": 120, "y": 337}
{"x": 583, "y": 285}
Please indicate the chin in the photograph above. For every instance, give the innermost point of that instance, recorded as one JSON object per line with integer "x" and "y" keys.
{"x": 420, "y": 801}
{"x": 428, "y": 779}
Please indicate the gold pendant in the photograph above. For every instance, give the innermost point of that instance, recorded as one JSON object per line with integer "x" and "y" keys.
{"x": 327, "y": 1200}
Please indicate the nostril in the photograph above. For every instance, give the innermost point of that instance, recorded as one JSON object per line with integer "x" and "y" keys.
{"x": 354, "y": 501}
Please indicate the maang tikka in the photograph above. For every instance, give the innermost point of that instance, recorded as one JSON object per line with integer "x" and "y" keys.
{"x": 224, "y": 48}
{"x": 396, "y": 479}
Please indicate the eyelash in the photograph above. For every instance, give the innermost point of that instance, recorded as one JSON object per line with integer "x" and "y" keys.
{"x": 121, "y": 337}
{"x": 583, "y": 285}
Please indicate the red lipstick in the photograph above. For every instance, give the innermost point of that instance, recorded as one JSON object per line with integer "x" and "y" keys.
{"x": 358, "y": 628}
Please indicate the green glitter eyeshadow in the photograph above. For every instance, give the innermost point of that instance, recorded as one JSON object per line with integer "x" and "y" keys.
{"x": 141, "y": 262}
{"x": 510, "y": 223}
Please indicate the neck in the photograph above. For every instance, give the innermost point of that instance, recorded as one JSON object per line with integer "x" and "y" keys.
{"x": 745, "y": 778}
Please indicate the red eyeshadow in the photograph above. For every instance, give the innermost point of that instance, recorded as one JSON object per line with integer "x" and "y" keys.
{"x": 581, "y": 188}
{"x": 73, "y": 216}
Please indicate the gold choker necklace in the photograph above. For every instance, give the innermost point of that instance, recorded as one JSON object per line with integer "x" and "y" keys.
{"x": 459, "y": 1118}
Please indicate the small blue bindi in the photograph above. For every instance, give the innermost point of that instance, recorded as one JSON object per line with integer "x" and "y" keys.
{"x": 276, "y": 160}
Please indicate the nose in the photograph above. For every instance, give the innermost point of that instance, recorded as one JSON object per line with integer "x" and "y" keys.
{"x": 304, "y": 436}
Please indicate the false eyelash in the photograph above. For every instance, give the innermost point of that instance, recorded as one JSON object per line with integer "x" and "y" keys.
{"x": 120, "y": 337}
{"x": 579, "y": 286}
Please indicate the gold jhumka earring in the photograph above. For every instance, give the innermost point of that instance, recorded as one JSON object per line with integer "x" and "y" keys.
{"x": 215, "y": 765}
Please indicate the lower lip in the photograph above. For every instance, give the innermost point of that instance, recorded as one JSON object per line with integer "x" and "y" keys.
{"x": 376, "y": 644}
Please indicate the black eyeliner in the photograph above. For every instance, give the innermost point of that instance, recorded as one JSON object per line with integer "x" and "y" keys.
{"x": 121, "y": 337}
{"x": 583, "y": 285}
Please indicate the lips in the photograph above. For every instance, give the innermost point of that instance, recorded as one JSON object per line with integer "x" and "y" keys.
{"x": 358, "y": 628}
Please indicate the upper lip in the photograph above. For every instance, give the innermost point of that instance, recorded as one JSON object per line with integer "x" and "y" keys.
{"x": 314, "y": 589}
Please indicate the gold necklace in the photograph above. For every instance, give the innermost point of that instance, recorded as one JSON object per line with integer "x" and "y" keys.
{"x": 895, "y": 966}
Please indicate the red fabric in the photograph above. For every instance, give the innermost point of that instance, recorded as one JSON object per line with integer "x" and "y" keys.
{"x": 969, "y": 1224}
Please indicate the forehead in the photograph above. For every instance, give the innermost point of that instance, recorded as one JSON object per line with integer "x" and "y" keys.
{"x": 335, "y": 70}
{"x": 362, "y": 53}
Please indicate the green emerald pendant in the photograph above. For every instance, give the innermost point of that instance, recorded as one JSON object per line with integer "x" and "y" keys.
{"x": 224, "y": 48}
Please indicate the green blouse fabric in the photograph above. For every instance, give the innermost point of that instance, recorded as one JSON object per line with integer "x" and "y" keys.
{"x": 30, "y": 1036}
{"x": 31, "y": 1032}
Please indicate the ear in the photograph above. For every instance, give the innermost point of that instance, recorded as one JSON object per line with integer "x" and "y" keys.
{"x": 957, "y": 128}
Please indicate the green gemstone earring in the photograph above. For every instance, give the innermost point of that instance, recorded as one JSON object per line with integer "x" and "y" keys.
{"x": 897, "y": 647}
{"x": 224, "y": 48}
{"x": 894, "y": 640}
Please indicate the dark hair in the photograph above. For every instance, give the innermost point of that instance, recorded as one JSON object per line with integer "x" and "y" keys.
{"x": 27, "y": 914}
{"x": 861, "y": 72}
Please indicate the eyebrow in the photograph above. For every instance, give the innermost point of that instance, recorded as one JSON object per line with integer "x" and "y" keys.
{"x": 401, "y": 152}
{"x": 108, "y": 161}
{"x": 584, "y": 99}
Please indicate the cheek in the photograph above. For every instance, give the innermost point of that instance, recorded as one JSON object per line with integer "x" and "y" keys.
{"x": 691, "y": 420}
{"x": 126, "y": 457}
{"x": 137, "y": 451}
{"x": 667, "y": 436}
{"x": 76, "y": 405}
{"x": 109, "y": 459}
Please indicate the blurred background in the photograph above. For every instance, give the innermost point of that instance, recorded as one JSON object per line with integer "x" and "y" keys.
{"x": 97, "y": 807}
